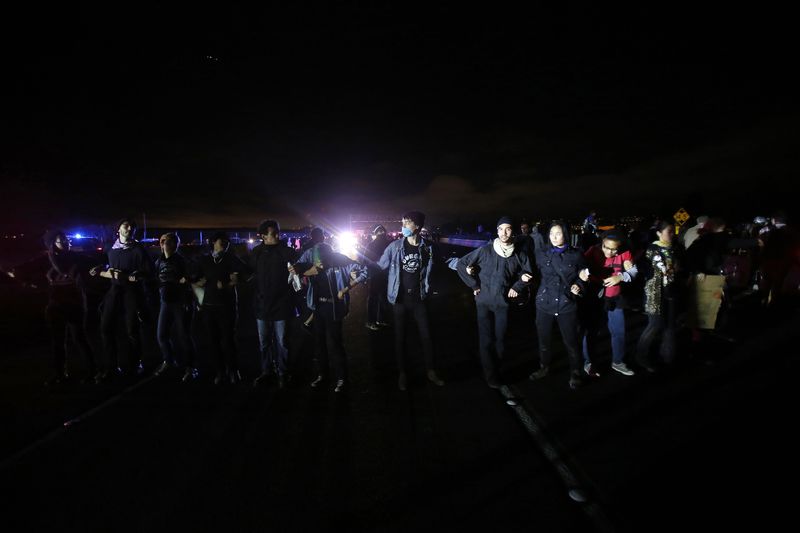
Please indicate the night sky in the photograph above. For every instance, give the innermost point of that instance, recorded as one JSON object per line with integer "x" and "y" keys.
{"x": 222, "y": 117}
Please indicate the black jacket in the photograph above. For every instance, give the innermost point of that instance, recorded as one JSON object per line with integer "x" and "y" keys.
{"x": 559, "y": 272}
{"x": 495, "y": 274}
{"x": 272, "y": 298}
{"x": 220, "y": 269}
{"x": 168, "y": 274}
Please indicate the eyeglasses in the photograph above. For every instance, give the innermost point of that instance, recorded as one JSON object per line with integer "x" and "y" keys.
{"x": 612, "y": 250}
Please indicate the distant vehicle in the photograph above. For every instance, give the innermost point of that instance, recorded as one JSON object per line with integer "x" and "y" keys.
{"x": 86, "y": 245}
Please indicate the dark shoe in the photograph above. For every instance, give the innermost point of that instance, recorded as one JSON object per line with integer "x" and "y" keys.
{"x": 161, "y": 368}
{"x": 317, "y": 382}
{"x": 339, "y": 386}
{"x": 371, "y": 326}
{"x": 190, "y": 374}
{"x": 575, "y": 380}
{"x": 539, "y": 374}
{"x": 433, "y": 378}
{"x": 493, "y": 383}
{"x": 401, "y": 381}
{"x": 139, "y": 368}
{"x": 382, "y": 324}
{"x": 219, "y": 379}
{"x": 262, "y": 379}
{"x": 58, "y": 379}
{"x": 100, "y": 377}
{"x": 235, "y": 377}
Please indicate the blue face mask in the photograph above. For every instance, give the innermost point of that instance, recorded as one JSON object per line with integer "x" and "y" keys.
{"x": 407, "y": 232}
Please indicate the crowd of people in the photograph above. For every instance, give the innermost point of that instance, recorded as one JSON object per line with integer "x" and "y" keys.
{"x": 582, "y": 286}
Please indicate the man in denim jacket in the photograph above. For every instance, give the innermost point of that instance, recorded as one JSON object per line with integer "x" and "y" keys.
{"x": 409, "y": 261}
{"x": 331, "y": 276}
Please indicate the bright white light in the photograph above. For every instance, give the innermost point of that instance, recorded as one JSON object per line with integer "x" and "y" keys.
{"x": 250, "y": 241}
{"x": 78, "y": 236}
{"x": 346, "y": 243}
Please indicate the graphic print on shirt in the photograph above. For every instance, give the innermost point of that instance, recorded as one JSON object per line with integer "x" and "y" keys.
{"x": 411, "y": 262}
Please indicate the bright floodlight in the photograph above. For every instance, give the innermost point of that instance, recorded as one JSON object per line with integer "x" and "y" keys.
{"x": 346, "y": 243}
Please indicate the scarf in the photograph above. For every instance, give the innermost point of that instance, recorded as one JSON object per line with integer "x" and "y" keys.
{"x": 558, "y": 249}
{"x": 127, "y": 245}
{"x": 503, "y": 250}
{"x": 663, "y": 244}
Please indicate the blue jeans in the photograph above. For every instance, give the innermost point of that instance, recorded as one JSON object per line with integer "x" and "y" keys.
{"x": 615, "y": 320}
{"x": 175, "y": 315}
{"x": 272, "y": 344}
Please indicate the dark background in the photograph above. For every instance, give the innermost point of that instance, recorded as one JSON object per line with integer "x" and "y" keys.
{"x": 221, "y": 116}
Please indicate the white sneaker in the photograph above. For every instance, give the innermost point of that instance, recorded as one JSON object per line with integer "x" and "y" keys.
{"x": 590, "y": 371}
{"x": 622, "y": 368}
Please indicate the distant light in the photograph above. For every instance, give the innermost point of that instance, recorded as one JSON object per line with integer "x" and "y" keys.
{"x": 250, "y": 241}
{"x": 78, "y": 236}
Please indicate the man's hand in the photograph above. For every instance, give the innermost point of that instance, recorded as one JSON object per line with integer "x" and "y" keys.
{"x": 471, "y": 270}
{"x": 234, "y": 277}
{"x": 353, "y": 275}
{"x": 512, "y": 293}
{"x": 526, "y": 277}
{"x": 291, "y": 269}
{"x": 132, "y": 278}
{"x": 342, "y": 292}
{"x": 182, "y": 281}
{"x": 219, "y": 284}
{"x": 476, "y": 292}
{"x": 584, "y": 274}
{"x": 95, "y": 270}
{"x": 612, "y": 280}
{"x": 200, "y": 282}
{"x": 575, "y": 289}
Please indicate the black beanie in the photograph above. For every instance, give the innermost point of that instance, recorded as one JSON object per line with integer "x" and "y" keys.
{"x": 505, "y": 220}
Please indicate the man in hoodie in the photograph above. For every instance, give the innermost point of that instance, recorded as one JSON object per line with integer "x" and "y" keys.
{"x": 128, "y": 268}
{"x": 410, "y": 261}
{"x": 175, "y": 311}
{"x": 273, "y": 300}
{"x": 496, "y": 273}
{"x": 331, "y": 276}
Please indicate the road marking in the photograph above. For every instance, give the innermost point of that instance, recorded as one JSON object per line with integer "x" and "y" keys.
{"x": 558, "y": 457}
{"x": 9, "y": 461}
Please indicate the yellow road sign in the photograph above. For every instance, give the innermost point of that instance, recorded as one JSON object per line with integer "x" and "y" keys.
{"x": 681, "y": 216}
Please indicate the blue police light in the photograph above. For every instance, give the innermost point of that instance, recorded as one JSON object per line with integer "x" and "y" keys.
{"x": 78, "y": 236}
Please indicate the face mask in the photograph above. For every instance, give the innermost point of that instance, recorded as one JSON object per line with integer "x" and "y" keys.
{"x": 407, "y": 232}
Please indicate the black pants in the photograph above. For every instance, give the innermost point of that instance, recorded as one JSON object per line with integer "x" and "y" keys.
{"x": 127, "y": 302}
{"x": 406, "y": 306}
{"x": 658, "y": 324}
{"x": 377, "y": 304}
{"x": 220, "y": 323}
{"x": 179, "y": 316}
{"x": 328, "y": 343}
{"x": 63, "y": 317}
{"x": 492, "y": 326}
{"x": 568, "y": 324}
